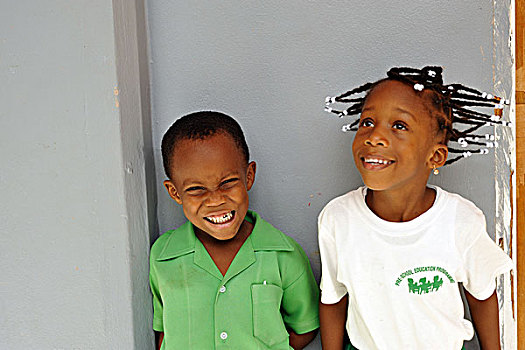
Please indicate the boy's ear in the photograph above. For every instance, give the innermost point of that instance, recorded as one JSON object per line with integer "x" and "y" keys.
{"x": 439, "y": 156}
{"x": 250, "y": 174}
{"x": 172, "y": 191}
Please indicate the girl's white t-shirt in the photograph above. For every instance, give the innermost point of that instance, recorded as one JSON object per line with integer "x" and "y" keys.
{"x": 402, "y": 277}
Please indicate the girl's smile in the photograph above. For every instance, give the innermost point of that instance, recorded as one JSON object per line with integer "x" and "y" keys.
{"x": 375, "y": 162}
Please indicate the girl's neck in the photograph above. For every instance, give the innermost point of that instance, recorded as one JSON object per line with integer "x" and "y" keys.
{"x": 400, "y": 206}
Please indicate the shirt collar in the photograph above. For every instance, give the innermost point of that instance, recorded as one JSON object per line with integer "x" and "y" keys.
{"x": 263, "y": 237}
{"x": 266, "y": 237}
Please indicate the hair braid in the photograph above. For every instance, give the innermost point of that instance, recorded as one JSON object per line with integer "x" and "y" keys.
{"x": 453, "y": 102}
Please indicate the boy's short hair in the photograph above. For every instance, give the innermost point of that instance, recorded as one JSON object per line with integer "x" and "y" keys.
{"x": 198, "y": 126}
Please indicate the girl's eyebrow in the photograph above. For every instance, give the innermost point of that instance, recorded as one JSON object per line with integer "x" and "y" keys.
{"x": 398, "y": 109}
{"x": 404, "y": 111}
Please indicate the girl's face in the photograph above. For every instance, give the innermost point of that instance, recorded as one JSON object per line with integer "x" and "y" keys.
{"x": 397, "y": 142}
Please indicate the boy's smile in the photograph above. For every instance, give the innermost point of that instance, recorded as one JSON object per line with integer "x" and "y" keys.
{"x": 221, "y": 219}
{"x": 211, "y": 181}
{"x": 395, "y": 145}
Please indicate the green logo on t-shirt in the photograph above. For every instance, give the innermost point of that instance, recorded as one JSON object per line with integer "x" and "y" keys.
{"x": 424, "y": 286}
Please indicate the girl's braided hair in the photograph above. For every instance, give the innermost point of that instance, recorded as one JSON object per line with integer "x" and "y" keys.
{"x": 454, "y": 103}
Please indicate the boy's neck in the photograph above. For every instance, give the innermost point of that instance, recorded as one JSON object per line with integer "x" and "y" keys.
{"x": 223, "y": 252}
{"x": 400, "y": 206}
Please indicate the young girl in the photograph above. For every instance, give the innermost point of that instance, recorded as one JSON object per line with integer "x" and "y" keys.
{"x": 394, "y": 251}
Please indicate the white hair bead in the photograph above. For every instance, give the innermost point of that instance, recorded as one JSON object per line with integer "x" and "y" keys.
{"x": 328, "y": 109}
{"x": 490, "y": 97}
{"x": 431, "y": 73}
{"x": 484, "y": 94}
{"x": 419, "y": 87}
{"x": 346, "y": 128}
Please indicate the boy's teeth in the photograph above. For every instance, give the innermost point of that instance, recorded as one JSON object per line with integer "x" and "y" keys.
{"x": 220, "y": 219}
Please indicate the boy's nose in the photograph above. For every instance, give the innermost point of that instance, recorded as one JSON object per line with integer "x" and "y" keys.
{"x": 377, "y": 137}
{"x": 215, "y": 198}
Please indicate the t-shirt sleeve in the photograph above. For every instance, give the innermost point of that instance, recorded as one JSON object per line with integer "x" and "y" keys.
{"x": 331, "y": 289}
{"x": 483, "y": 260}
{"x": 158, "y": 324}
{"x": 300, "y": 303}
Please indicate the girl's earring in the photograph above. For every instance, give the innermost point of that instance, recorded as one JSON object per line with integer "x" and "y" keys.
{"x": 435, "y": 171}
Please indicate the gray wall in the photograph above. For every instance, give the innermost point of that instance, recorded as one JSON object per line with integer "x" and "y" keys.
{"x": 76, "y": 136}
{"x": 74, "y": 222}
{"x": 270, "y": 65}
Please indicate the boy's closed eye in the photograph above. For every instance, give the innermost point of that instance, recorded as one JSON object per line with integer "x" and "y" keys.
{"x": 229, "y": 183}
{"x": 195, "y": 190}
{"x": 200, "y": 190}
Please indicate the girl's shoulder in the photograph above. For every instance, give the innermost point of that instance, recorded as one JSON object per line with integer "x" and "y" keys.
{"x": 465, "y": 208}
{"x": 466, "y": 218}
{"x": 347, "y": 198}
{"x": 345, "y": 204}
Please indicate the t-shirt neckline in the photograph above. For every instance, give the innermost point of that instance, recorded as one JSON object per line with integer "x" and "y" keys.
{"x": 407, "y": 227}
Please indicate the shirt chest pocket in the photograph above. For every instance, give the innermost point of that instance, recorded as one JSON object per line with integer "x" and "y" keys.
{"x": 268, "y": 325}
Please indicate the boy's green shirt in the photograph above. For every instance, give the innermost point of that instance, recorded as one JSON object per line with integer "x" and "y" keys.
{"x": 268, "y": 287}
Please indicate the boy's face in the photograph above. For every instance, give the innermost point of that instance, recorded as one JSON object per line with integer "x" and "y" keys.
{"x": 397, "y": 142}
{"x": 211, "y": 181}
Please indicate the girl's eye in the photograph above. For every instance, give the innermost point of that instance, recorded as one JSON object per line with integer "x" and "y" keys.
{"x": 366, "y": 123}
{"x": 226, "y": 184}
{"x": 400, "y": 126}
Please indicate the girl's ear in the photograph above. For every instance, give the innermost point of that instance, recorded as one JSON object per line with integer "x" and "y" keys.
{"x": 250, "y": 175}
{"x": 439, "y": 156}
{"x": 172, "y": 191}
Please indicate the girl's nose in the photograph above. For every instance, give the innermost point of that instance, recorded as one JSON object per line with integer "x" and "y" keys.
{"x": 377, "y": 137}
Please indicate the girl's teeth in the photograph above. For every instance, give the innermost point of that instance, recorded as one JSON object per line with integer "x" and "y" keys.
{"x": 380, "y": 161}
{"x": 220, "y": 219}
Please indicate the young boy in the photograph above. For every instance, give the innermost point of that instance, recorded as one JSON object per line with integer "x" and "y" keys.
{"x": 226, "y": 279}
